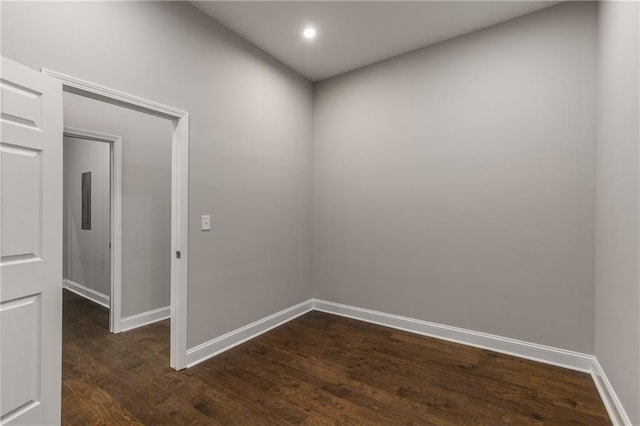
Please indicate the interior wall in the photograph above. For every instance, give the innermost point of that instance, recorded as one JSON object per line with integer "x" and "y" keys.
{"x": 146, "y": 197}
{"x": 250, "y": 123}
{"x": 86, "y": 255}
{"x": 617, "y": 328}
{"x": 455, "y": 184}
{"x": 439, "y": 194}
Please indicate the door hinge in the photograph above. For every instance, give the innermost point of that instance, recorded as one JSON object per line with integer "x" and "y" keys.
{"x": 178, "y": 254}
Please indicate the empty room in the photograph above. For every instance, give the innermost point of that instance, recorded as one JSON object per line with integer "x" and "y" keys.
{"x": 320, "y": 212}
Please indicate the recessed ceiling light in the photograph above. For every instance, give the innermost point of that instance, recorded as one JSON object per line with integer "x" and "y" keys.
{"x": 309, "y": 33}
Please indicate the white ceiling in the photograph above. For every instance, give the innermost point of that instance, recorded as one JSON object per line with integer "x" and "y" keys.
{"x": 352, "y": 34}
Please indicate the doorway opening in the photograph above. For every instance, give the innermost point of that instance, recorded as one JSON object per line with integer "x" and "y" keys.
{"x": 179, "y": 201}
{"x": 97, "y": 156}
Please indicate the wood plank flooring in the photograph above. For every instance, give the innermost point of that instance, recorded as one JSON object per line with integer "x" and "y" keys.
{"x": 318, "y": 369}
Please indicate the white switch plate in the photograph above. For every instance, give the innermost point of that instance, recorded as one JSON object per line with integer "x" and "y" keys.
{"x": 206, "y": 222}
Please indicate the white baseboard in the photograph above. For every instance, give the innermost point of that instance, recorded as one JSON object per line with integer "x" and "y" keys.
{"x": 611, "y": 402}
{"x": 145, "y": 318}
{"x": 533, "y": 351}
{"x": 227, "y": 341}
{"x": 87, "y": 293}
{"x": 546, "y": 354}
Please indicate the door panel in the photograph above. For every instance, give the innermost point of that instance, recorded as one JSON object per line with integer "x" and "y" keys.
{"x": 20, "y": 104}
{"x": 31, "y": 246}
{"x": 20, "y": 352}
{"x": 22, "y": 189}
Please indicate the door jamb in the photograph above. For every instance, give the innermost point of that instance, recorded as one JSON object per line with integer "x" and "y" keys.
{"x": 179, "y": 196}
{"x": 115, "y": 195}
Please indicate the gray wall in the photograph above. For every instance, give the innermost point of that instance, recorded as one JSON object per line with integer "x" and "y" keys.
{"x": 146, "y": 197}
{"x": 455, "y": 184}
{"x": 250, "y": 156}
{"x": 617, "y": 336}
{"x": 85, "y": 258}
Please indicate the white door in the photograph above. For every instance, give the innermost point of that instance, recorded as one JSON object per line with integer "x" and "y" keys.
{"x": 31, "y": 246}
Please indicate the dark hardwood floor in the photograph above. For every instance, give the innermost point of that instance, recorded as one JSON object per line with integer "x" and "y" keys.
{"x": 315, "y": 370}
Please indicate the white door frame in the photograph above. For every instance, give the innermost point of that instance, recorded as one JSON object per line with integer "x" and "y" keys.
{"x": 115, "y": 202}
{"x": 179, "y": 197}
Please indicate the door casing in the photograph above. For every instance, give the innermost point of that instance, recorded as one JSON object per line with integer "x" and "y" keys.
{"x": 179, "y": 196}
{"x": 115, "y": 217}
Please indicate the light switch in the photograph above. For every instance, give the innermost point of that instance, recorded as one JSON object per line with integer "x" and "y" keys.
{"x": 206, "y": 222}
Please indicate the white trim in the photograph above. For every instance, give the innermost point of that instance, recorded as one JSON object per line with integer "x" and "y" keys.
{"x": 86, "y": 292}
{"x": 115, "y": 201}
{"x": 179, "y": 196}
{"x": 112, "y": 96}
{"x": 179, "y": 241}
{"x": 546, "y": 354}
{"x": 145, "y": 318}
{"x": 227, "y": 341}
{"x": 116, "y": 236}
{"x": 533, "y": 351}
{"x": 611, "y": 401}
{"x": 540, "y": 353}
